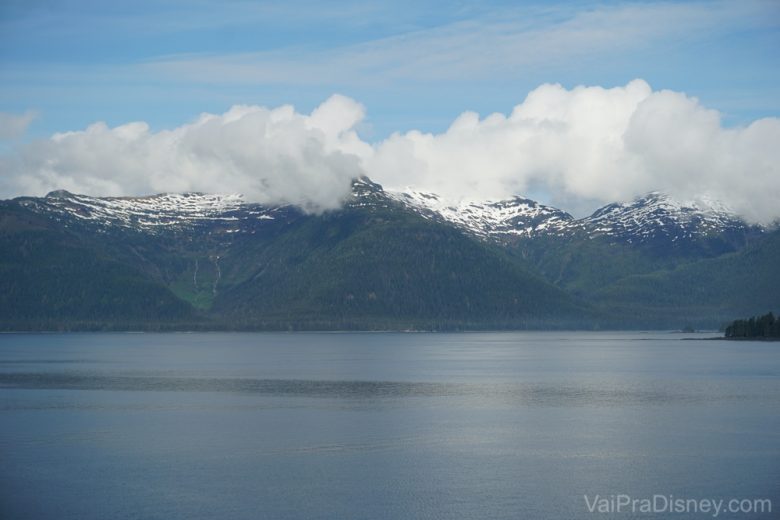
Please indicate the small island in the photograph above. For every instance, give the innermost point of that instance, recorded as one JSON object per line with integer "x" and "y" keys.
{"x": 765, "y": 327}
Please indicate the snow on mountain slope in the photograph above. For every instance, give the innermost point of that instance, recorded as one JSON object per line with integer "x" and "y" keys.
{"x": 659, "y": 216}
{"x": 654, "y": 217}
{"x": 149, "y": 213}
{"x": 650, "y": 218}
{"x": 518, "y": 217}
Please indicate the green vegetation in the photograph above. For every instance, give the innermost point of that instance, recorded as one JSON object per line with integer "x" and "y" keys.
{"x": 383, "y": 268}
{"x": 369, "y": 266}
{"x": 757, "y": 327}
{"x": 359, "y": 268}
{"x": 702, "y": 293}
{"x": 48, "y": 282}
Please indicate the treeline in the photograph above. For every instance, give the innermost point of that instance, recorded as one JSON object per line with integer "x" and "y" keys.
{"x": 766, "y": 326}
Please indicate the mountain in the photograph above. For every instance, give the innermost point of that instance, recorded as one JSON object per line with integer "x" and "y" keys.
{"x": 153, "y": 214}
{"x": 385, "y": 260}
{"x": 651, "y": 233}
{"x": 53, "y": 279}
{"x": 222, "y": 263}
{"x": 387, "y": 267}
{"x": 502, "y": 221}
{"x": 667, "y": 226}
{"x": 701, "y": 293}
{"x": 655, "y": 221}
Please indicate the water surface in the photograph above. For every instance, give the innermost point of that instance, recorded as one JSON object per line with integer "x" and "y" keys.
{"x": 380, "y": 425}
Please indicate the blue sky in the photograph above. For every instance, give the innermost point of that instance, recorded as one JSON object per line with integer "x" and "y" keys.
{"x": 413, "y": 64}
{"x": 575, "y": 104}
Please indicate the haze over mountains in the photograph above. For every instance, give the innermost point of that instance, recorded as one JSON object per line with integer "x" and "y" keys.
{"x": 385, "y": 260}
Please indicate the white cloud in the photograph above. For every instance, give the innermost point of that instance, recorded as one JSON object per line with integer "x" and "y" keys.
{"x": 593, "y": 144}
{"x": 269, "y": 155}
{"x": 587, "y": 145}
{"x": 13, "y": 126}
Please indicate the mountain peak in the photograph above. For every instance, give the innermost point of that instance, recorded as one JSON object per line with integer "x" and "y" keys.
{"x": 658, "y": 216}
{"x": 59, "y": 194}
{"x": 657, "y": 200}
{"x": 363, "y": 186}
{"x": 147, "y": 212}
{"x": 652, "y": 218}
{"x": 501, "y": 219}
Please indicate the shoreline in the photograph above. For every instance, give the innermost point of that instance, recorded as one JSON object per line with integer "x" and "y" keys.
{"x": 724, "y": 338}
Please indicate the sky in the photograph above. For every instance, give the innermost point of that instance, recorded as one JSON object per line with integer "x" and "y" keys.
{"x": 574, "y": 103}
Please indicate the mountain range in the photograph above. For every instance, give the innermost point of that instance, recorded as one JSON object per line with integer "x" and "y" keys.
{"x": 387, "y": 260}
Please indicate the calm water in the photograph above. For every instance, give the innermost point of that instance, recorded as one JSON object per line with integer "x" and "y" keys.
{"x": 374, "y": 426}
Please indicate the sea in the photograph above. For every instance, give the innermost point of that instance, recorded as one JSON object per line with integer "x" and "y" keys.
{"x": 504, "y": 425}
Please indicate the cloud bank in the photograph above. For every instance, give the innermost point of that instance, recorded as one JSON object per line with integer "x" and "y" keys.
{"x": 270, "y": 155}
{"x": 594, "y": 144}
{"x": 589, "y": 144}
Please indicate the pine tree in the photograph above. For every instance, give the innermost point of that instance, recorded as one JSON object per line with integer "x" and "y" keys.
{"x": 766, "y": 326}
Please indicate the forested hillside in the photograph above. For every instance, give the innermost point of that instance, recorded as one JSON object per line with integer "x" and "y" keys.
{"x": 383, "y": 261}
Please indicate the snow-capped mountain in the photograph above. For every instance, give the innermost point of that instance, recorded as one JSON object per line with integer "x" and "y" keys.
{"x": 151, "y": 213}
{"x": 654, "y": 217}
{"x": 659, "y": 216}
{"x": 515, "y": 217}
{"x": 386, "y": 257}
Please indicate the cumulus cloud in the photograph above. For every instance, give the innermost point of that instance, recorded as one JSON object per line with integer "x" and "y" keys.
{"x": 13, "y": 126}
{"x": 590, "y": 145}
{"x": 594, "y": 144}
{"x": 269, "y": 155}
